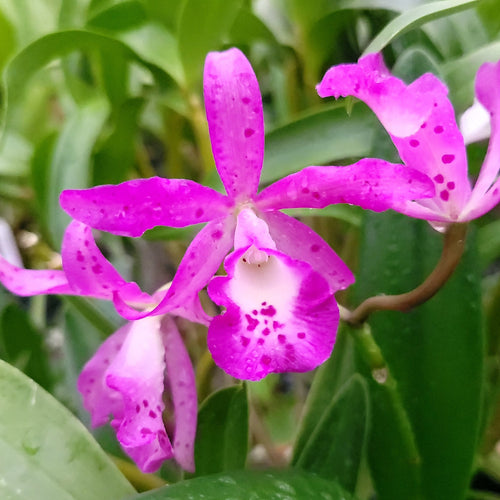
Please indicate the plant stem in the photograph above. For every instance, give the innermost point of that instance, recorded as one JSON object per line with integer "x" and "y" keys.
{"x": 453, "y": 248}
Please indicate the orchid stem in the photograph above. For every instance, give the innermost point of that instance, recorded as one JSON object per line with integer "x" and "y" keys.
{"x": 453, "y": 249}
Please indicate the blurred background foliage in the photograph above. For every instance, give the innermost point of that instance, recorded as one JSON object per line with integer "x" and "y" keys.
{"x": 102, "y": 91}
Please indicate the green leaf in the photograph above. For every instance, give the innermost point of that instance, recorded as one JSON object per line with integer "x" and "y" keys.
{"x": 335, "y": 447}
{"x": 202, "y": 28}
{"x": 116, "y": 155}
{"x": 45, "y": 452}
{"x": 413, "y": 18}
{"x": 434, "y": 354}
{"x": 71, "y": 160}
{"x": 460, "y": 73}
{"x": 488, "y": 241}
{"x": 222, "y": 433}
{"x": 25, "y": 349}
{"x": 325, "y": 137}
{"x": 55, "y": 46}
{"x": 252, "y": 485}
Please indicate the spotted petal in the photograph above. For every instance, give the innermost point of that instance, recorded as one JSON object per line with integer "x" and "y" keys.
{"x": 370, "y": 183}
{"x": 300, "y": 242}
{"x": 235, "y": 119}
{"x": 400, "y": 108}
{"x": 421, "y": 122}
{"x": 182, "y": 385}
{"x": 89, "y": 273}
{"x": 130, "y": 208}
{"x": 280, "y": 316}
{"x": 486, "y": 192}
{"x": 200, "y": 262}
{"x": 28, "y": 282}
{"x": 125, "y": 378}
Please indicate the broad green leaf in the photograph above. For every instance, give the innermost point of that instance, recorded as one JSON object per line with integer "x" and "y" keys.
{"x": 116, "y": 155}
{"x": 252, "y": 485}
{"x": 460, "y": 73}
{"x": 222, "y": 433}
{"x": 55, "y": 46}
{"x": 70, "y": 161}
{"x": 25, "y": 349}
{"x": 490, "y": 16}
{"x": 434, "y": 353}
{"x": 335, "y": 447}
{"x": 324, "y": 137}
{"x": 7, "y": 39}
{"x": 45, "y": 452}
{"x": 247, "y": 29}
{"x": 155, "y": 44}
{"x": 327, "y": 382}
{"x": 488, "y": 241}
{"x": 202, "y": 28}
{"x": 120, "y": 17}
{"x": 413, "y": 18}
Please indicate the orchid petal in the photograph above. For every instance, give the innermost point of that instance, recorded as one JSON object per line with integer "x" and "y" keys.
{"x": 488, "y": 94}
{"x": 200, "y": 262}
{"x": 28, "y": 282}
{"x": 280, "y": 317}
{"x": 421, "y": 122}
{"x": 130, "y": 208}
{"x": 300, "y": 242}
{"x": 474, "y": 123}
{"x": 182, "y": 383}
{"x": 235, "y": 119}
{"x": 125, "y": 378}
{"x": 370, "y": 183}
{"x": 400, "y": 108}
{"x": 89, "y": 273}
{"x": 98, "y": 398}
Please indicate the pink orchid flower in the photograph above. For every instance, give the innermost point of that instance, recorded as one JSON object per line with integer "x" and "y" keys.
{"x": 127, "y": 376}
{"x": 281, "y": 313}
{"x": 421, "y": 122}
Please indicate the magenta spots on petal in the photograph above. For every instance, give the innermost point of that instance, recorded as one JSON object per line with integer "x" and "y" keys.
{"x": 316, "y": 195}
{"x": 97, "y": 269}
{"x": 249, "y": 132}
{"x": 266, "y": 331}
{"x": 438, "y": 129}
{"x": 245, "y": 100}
{"x": 255, "y": 312}
{"x": 439, "y": 178}
{"x": 447, "y": 158}
{"x": 450, "y": 186}
{"x": 414, "y": 143}
{"x": 252, "y": 323}
{"x": 305, "y": 190}
{"x": 268, "y": 311}
{"x": 265, "y": 360}
{"x": 260, "y": 341}
{"x": 281, "y": 338}
{"x": 277, "y": 324}
{"x": 79, "y": 256}
{"x": 244, "y": 341}
{"x": 145, "y": 430}
{"x": 314, "y": 248}
{"x": 137, "y": 409}
{"x": 199, "y": 213}
{"x": 301, "y": 335}
{"x": 152, "y": 414}
{"x": 217, "y": 235}
{"x": 145, "y": 403}
{"x": 444, "y": 195}
{"x": 423, "y": 125}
